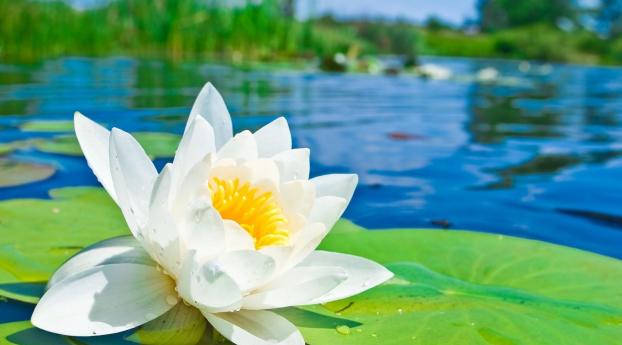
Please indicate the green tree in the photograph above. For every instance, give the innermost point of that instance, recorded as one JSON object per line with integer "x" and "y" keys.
{"x": 503, "y": 14}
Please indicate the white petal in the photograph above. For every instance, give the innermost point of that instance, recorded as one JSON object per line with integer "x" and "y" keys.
{"x": 193, "y": 185}
{"x": 280, "y": 255}
{"x": 133, "y": 175}
{"x": 248, "y": 268}
{"x": 229, "y": 169}
{"x": 210, "y": 105}
{"x": 160, "y": 236}
{"x": 255, "y": 327}
{"x": 305, "y": 242}
{"x": 206, "y": 286}
{"x": 297, "y": 197}
{"x": 104, "y": 300}
{"x": 236, "y": 237}
{"x": 203, "y": 230}
{"x": 273, "y": 138}
{"x": 241, "y": 147}
{"x": 113, "y": 251}
{"x": 264, "y": 174}
{"x": 363, "y": 274}
{"x": 196, "y": 143}
{"x": 95, "y": 143}
{"x": 340, "y": 185}
{"x": 293, "y": 164}
{"x": 327, "y": 210}
{"x": 298, "y": 286}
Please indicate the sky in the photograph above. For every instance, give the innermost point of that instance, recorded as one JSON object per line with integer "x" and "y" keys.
{"x": 454, "y": 11}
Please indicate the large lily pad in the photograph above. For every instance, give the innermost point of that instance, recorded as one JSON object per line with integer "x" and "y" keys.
{"x": 157, "y": 145}
{"x": 37, "y": 235}
{"x": 450, "y": 287}
{"x": 16, "y": 173}
{"x": 456, "y": 287}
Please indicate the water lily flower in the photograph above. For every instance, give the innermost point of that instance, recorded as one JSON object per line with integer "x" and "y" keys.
{"x": 230, "y": 228}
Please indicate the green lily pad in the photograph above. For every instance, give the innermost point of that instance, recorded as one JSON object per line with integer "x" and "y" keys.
{"x": 38, "y": 235}
{"x": 5, "y": 148}
{"x": 22, "y": 333}
{"x": 450, "y": 287}
{"x": 457, "y": 287}
{"x": 157, "y": 145}
{"x": 47, "y": 126}
{"x": 16, "y": 173}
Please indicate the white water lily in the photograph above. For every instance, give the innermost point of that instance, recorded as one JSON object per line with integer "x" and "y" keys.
{"x": 230, "y": 227}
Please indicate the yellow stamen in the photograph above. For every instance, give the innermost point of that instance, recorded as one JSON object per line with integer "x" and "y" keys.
{"x": 255, "y": 210}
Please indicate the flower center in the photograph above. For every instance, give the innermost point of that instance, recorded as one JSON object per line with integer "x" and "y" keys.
{"x": 256, "y": 211}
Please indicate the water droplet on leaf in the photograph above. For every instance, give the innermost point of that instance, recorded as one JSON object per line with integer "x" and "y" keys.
{"x": 343, "y": 329}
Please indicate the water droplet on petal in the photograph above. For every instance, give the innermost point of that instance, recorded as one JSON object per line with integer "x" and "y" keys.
{"x": 343, "y": 329}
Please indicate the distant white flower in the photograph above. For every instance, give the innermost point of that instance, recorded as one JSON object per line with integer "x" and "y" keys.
{"x": 433, "y": 71}
{"x": 487, "y": 74}
{"x": 230, "y": 228}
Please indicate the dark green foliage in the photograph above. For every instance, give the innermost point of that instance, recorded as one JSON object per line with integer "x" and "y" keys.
{"x": 183, "y": 29}
{"x": 503, "y": 14}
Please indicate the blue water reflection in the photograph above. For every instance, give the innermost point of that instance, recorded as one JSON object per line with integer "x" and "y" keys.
{"x": 536, "y": 153}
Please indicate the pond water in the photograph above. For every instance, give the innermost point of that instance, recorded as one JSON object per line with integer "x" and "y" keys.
{"x": 536, "y": 153}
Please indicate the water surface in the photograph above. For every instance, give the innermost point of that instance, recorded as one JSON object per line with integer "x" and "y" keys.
{"x": 536, "y": 154}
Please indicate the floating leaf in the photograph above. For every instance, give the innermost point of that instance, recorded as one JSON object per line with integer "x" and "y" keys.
{"x": 456, "y": 287}
{"x": 157, "y": 145}
{"x": 6, "y": 148}
{"x": 16, "y": 173}
{"x": 181, "y": 325}
{"x": 23, "y": 333}
{"x": 64, "y": 145}
{"x": 37, "y": 235}
{"x": 25, "y": 292}
{"x": 47, "y": 126}
{"x": 450, "y": 287}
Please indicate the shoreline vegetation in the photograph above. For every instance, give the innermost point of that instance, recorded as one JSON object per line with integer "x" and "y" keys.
{"x": 263, "y": 32}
